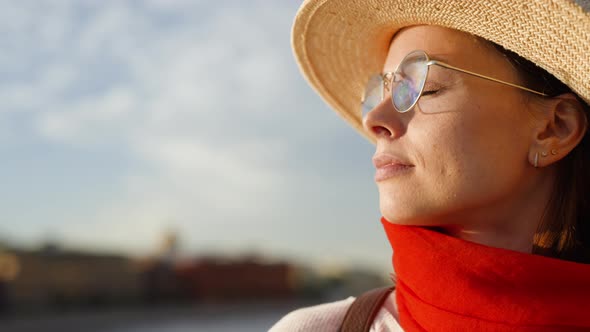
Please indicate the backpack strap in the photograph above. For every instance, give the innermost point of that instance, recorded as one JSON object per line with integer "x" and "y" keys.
{"x": 362, "y": 311}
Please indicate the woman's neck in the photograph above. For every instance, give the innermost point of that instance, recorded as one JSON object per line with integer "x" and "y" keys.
{"x": 510, "y": 223}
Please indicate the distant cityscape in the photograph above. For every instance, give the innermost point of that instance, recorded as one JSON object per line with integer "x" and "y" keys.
{"x": 53, "y": 279}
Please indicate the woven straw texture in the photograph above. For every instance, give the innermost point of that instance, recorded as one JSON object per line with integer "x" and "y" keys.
{"x": 338, "y": 44}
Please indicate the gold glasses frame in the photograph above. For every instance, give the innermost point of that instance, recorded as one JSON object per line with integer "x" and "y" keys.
{"x": 388, "y": 77}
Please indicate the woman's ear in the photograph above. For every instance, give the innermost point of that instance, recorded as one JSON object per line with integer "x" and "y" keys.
{"x": 562, "y": 127}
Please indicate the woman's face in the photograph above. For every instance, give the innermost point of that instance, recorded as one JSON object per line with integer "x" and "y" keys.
{"x": 466, "y": 142}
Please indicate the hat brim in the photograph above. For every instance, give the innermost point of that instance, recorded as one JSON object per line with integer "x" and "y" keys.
{"x": 338, "y": 44}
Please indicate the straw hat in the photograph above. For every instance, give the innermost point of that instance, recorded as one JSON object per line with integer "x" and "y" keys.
{"x": 338, "y": 44}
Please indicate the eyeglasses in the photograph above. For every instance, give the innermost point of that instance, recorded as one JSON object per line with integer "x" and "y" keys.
{"x": 406, "y": 83}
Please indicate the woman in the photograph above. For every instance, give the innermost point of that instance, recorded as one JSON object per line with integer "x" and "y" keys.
{"x": 479, "y": 114}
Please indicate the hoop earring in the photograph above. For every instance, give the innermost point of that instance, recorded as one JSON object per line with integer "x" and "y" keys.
{"x": 554, "y": 152}
{"x": 536, "y": 163}
{"x": 544, "y": 153}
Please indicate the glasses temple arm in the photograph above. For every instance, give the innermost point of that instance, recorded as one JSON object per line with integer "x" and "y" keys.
{"x": 445, "y": 65}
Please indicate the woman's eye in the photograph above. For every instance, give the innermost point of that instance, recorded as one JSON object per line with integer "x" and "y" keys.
{"x": 429, "y": 92}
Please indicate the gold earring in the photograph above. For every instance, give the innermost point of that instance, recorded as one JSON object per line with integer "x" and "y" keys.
{"x": 553, "y": 152}
{"x": 544, "y": 153}
{"x": 536, "y": 163}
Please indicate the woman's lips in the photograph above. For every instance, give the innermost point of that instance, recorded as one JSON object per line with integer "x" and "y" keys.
{"x": 389, "y": 166}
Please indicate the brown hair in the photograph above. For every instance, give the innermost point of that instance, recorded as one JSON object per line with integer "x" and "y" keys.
{"x": 564, "y": 231}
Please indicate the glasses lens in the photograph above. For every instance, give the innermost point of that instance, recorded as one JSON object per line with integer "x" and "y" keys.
{"x": 409, "y": 80}
{"x": 373, "y": 94}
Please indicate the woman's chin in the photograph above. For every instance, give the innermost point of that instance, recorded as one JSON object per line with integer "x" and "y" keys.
{"x": 400, "y": 221}
{"x": 410, "y": 219}
{"x": 399, "y": 211}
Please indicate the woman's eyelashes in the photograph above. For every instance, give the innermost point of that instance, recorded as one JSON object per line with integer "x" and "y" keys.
{"x": 429, "y": 92}
{"x": 431, "y": 88}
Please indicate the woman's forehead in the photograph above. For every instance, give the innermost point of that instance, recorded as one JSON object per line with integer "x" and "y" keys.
{"x": 440, "y": 43}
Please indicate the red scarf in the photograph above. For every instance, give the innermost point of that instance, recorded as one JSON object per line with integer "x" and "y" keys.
{"x": 448, "y": 284}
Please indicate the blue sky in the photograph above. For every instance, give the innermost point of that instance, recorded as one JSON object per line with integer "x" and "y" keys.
{"x": 121, "y": 119}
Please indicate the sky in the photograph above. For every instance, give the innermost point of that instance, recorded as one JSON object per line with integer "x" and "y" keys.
{"x": 120, "y": 120}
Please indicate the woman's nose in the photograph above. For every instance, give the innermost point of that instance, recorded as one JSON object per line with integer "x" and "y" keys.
{"x": 383, "y": 121}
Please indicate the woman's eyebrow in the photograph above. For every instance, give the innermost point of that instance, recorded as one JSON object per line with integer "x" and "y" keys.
{"x": 444, "y": 57}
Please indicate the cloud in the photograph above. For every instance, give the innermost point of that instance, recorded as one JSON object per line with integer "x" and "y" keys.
{"x": 174, "y": 106}
{"x": 81, "y": 121}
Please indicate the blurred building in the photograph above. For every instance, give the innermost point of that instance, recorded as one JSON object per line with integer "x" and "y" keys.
{"x": 210, "y": 279}
{"x": 169, "y": 246}
{"x": 53, "y": 278}
{"x": 57, "y": 278}
{"x": 9, "y": 270}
